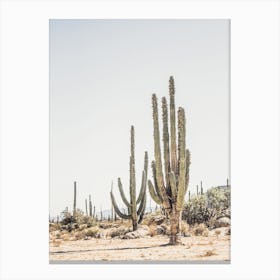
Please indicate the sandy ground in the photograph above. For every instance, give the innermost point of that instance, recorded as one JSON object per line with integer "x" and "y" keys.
{"x": 194, "y": 248}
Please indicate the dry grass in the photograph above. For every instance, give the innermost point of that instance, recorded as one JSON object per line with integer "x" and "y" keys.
{"x": 209, "y": 253}
{"x": 65, "y": 237}
{"x": 217, "y": 232}
{"x": 200, "y": 230}
{"x": 184, "y": 228}
{"x": 56, "y": 243}
{"x": 152, "y": 230}
{"x": 205, "y": 233}
{"x": 92, "y": 232}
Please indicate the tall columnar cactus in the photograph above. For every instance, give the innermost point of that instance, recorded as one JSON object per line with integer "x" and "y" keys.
{"x": 169, "y": 187}
{"x": 90, "y": 205}
{"x": 86, "y": 207}
{"x": 75, "y": 199}
{"x": 134, "y": 214}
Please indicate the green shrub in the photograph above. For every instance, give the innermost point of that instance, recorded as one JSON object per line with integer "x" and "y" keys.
{"x": 206, "y": 208}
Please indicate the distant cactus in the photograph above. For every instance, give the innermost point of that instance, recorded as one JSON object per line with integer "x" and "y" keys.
{"x": 75, "y": 199}
{"x": 133, "y": 213}
{"x": 86, "y": 207}
{"x": 169, "y": 190}
{"x": 90, "y": 206}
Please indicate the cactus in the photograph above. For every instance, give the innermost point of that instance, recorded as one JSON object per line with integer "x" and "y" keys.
{"x": 201, "y": 188}
{"x": 169, "y": 190}
{"x": 90, "y": 205}
{"x": 86, "y": 207}
{"x": 134, "y": 214}
{"x": 75, "y": 199}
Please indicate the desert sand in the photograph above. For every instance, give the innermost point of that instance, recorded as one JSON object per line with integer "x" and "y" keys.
{"x": 194, "y": 248}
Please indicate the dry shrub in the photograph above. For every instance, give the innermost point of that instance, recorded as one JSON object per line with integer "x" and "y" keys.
{"x": 65, "y": 237}
{"x": 152, "y": 230}
{"x": 92, "y": 232}
{"x": 198, "y": 230}
{"x": 57, "y": 234}
{"x": 184, "y": 228}
{"x": 209, "y": 253}
{"x": 56, "y": 243}
{"x": 205, "y": 232}
{"x": 122, "y": 230}
{"x": 217, "y": 232}
{"x": 54, "y": 226}
{"x": 72, "y": 238}
{"x": 83, "y": 226}
{"x": 79, "y": 235}
{"x": 153, "y": 219}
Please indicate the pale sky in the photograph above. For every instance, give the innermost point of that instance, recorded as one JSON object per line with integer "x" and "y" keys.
{"x": 102, "y": 76}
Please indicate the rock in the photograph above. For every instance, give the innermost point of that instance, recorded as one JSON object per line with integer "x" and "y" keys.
{"x": 222, "y": 222}
{"x": 142, "y": 231}
{"x": 160, "y": 230}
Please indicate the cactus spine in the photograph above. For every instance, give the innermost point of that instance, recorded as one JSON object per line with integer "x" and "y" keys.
{"x": 133, "y": 213}
{"x": 75, "y": 199}
{"x": 169, "y": 190}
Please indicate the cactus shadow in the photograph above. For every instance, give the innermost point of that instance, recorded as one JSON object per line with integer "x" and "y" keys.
{"x": 108, "y": 249}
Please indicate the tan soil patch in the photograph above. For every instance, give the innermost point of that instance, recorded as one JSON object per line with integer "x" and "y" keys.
{"x": 211, "y": 248}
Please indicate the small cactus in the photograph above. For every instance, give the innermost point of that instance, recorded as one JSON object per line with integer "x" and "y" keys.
{"x": 75, "y": 199}
{"x": 86, "y": 207}
{"x": 134, "y": 214}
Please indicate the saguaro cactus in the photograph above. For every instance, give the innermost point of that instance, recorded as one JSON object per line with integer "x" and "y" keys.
{"x": 169, "y": 190}
{"x": 134, "y": 214}
{"x": 75, "y": 199}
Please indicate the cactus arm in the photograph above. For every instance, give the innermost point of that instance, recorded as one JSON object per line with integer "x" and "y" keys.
{"x": 142, "y": 212}
{"x": 141, "y": 206}
{"x": 188, "y": 162}
{"x": 182, "y": 159}
{"x": 153, "y": 194}
{"x": 118, "y": 211}
{"x": 166, "y": 153}
{"x": 155, "y": 180}
{"x": 144, "y": 179}
{"x": 172, "y": 180}
{"x": 172, "y": 125}
{"x": 159, "y": 175}
{"x": 126, "y": 202}
{"x": 143, "y": 187}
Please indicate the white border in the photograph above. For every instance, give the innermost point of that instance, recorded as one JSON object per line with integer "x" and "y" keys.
{"x": 254, "y": 137}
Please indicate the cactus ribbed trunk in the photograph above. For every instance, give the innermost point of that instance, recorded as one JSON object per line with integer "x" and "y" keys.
{"x": 175, "y": 227}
